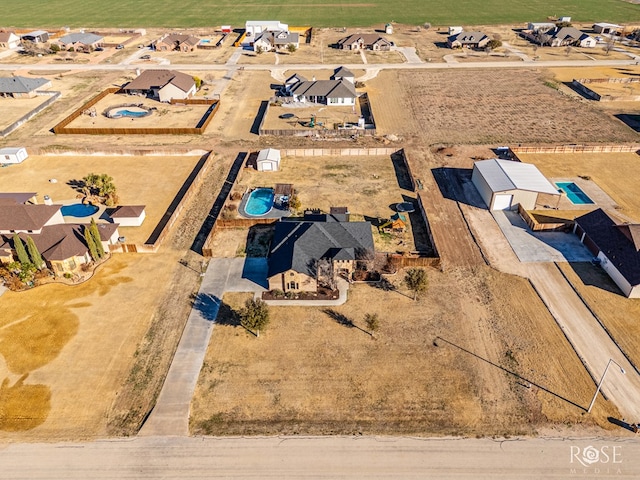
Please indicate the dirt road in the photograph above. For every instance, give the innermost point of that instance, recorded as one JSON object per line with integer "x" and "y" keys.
{"x": 589, "y": 339}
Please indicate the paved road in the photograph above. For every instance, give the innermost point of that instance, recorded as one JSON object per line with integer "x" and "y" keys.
{"x": 589, "y": 339}
{"x": 323, "y": 457}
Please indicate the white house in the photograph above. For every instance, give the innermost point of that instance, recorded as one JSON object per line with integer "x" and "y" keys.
{"x": 9, "y": 40}
{"x": 128, "y": 215}
{"x": 268, "y": 160}
{"x": 164, "y": 85}
{"x": 13, "y": 155}
{"x": 343, "y": 73}
{"x": 253, "y": 28}
{"x": 607, "y": 28}
{"x": 503, "y": 184}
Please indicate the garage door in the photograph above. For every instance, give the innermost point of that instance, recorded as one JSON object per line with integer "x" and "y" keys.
{"x": 502, "y": 202}
{"x": 267, "y": 167}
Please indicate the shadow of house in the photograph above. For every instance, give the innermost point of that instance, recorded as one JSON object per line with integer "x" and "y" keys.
{"x": 594, "y": 276}
{"x": 455, "y": 184}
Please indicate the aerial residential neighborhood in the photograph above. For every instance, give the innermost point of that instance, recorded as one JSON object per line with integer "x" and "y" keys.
{"x": 305, "y": 226}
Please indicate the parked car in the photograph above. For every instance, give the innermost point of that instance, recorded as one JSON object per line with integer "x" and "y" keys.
{"x": 120, "y": 47}
{"x": 99, "y": 49}
{"x": 145, "y": 57}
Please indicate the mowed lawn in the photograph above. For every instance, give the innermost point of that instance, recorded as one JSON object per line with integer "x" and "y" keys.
{"x": 205, "y": 13}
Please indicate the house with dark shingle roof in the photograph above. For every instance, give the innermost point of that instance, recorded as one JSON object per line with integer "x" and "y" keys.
{"x": 616, "y": 245}
{"x": 22, "y": 87}
{"x": 163, "y": 85}
{"x": 9, "y": 40}
{"x": 340, "y": 91}
{"x": 299, "y": 245}
{"x": 278, "y": 40}
{"x": 468, "y": 40}
{"x": 176, "y": 42}
{"x": 364, "y": 41}
{"x": 567, "y": 36}
{"x": 128, "y": 215}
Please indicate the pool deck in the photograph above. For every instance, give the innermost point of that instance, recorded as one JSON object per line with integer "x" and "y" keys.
{"x": 99, "y": 215}
{"x": 598, "y": 196}
{"x": 275, "y": 212}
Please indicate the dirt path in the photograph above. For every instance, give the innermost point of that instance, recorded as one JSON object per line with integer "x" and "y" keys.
{"x": 589, "y": 339}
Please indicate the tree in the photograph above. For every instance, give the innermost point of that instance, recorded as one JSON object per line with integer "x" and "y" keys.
{"x": 294, "y": 202}
{"x": 95, "y": 235}
{"x": 259, "y": 50}
{"x": 93, "y": 251}
{"x": 495, "y": 43}
{"x": 20, "y": 250}
{"x": 34, "y": 254}
{"x": 291, "y": 48}
{"x": 254, "y": 316}
{"x": 325, "y": 274}
{"x": 372, "y": 321}
{"x": 198, "y": 82}
{"x": 416, "y": 281}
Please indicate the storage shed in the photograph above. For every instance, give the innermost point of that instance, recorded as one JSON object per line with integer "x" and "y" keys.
{"x": 128, "y": 215}
{"x": 503, "y": 184}
{"x": 268, "y": 160}
{"x": 13, "y": 155}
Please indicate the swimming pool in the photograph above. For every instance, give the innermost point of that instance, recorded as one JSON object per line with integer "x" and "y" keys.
{"x": 573, "y": 192}
{"x": 260, "y": 202}
{"x": 129, "y": 113}
{"x": 78, "y": 210}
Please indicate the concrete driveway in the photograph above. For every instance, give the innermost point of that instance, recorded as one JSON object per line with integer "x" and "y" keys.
{"x": 539, "y": 246}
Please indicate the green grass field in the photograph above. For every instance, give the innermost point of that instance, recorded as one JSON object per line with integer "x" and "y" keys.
{"x": 338, "y": 13}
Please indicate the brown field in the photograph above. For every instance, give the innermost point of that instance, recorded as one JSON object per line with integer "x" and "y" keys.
{"x": 509, "y": 108}
{"x": 164, "y": 114}
{"x": 14, "y": 108}
{"x": 334, "y": 379}
{"x": 615, "y": 173}
{"x": 617, "y": 313}
{"x": 213, "y": 55}
{"x": 162, "y": 179}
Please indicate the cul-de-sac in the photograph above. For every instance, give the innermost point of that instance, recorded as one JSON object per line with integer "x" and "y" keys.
{"x": 320, "y": 220}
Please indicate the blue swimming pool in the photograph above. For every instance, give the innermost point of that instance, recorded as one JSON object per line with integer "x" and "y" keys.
{"x": 130, "y": 113}
{"x": 260, "y": 202}
{"x": 78, "y": 210}
{"x": 573, "y": 192}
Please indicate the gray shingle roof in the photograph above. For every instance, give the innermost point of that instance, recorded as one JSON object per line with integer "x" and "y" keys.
{"x": 84, "y": 38}
{"x": 325, "y": 88}
{"x": 150, "y": 79}
{"x": 21, "y": 84}
{"x": 297, "y": 244}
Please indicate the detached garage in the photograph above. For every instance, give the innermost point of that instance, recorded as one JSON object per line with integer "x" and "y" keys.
{"x": 268, "y": 160}
{"x": 503, "y": 184}
{"x": 13, "y": 155}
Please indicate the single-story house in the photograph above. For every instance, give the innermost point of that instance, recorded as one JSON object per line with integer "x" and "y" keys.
{"x": 503, "y": 184}
{"x": 20, "y": 217}
{"x": 163, "y": 85}
{"x": 9, "y": 40}
{"x": 299, "y": 246}
{"x": 268, "y": 41}
{"x": 176, "y": 41}
{"x": 343, "y": 73}
{"x": 567, "y": 36}
{"x": 37, "y": 36}
{"x": 128, "y": 215}
{"x": 268, "y": 160}
{"x": 608, "y": 28}
{"x": 364, "y": 41}
{"x": 540, "y": 26}
{"x": 22, "y": 87}
{"x": 62, "y": 246}
{"x": 468, "y": 40}
{"x": 253, "y": 28}
{"x": 12, "y": 198}
{"x": 13, "y": 155}
{"x": 327, "y": 92}
{"x": 616, "y": 245}
{"x": 80, "y": 42}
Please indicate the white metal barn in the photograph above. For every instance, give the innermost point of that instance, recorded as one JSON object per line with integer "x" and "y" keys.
{"x": 268, "y": 160}
{"x": 503, "y": 184}
{"x": 13, "y": 155}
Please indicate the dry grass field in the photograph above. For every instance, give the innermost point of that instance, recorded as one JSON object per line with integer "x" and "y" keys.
{"x": 618, "y": 174}
{"x": 617, "y": 313}
{"x": 311, "y": 372}
{"x": 162, "y": 180}
{"x": 448, "y": 107}
{"x": 328, "y": 116}
{"x": 14, "y": 108}
{"x": 65, "y": 351}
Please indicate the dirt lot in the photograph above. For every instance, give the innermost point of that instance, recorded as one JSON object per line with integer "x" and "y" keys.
{"x": 15, "y": 108}
{"x": 333, "y": 378}
{"x": 615, "y": 173}
{"x": 164, "y": 114}
{"x": 509, "y": 108}
{"x": 618, "y": 314}
{"x": 162, "y": 179}
{"x": 328, "y": 116}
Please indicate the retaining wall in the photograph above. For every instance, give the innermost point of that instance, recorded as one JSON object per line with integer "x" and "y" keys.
{"x": 54, "y": 96}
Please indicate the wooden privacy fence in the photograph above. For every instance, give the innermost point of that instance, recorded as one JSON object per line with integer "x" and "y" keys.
{"x": 62, "y": 128}
{"x": 577, "y": 149}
